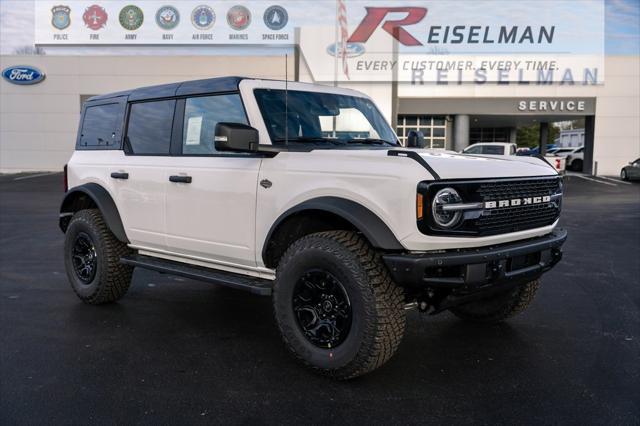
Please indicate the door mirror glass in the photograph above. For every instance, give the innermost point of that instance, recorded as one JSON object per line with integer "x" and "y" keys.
{"x": 236, "y": 137}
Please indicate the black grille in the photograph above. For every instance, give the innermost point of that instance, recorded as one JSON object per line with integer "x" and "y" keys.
{"x": 499, "y": 220}
{"x": 517, "y": 218}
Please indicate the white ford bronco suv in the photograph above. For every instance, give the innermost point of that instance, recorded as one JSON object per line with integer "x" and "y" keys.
{"x": 303, "y": 192}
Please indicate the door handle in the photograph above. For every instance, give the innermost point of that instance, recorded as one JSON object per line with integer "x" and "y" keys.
{"x": 180, "y": 179}
{"x": 120, "y": 175}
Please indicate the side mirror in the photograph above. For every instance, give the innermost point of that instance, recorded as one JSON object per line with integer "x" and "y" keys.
{"x": 415, "y": 140}
{"x": 236, "y": 137}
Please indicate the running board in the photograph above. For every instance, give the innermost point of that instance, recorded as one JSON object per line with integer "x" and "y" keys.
{"x": 242, "y": 282}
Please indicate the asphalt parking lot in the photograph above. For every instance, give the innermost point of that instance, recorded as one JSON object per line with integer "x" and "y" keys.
{"x": 176, "y": 351}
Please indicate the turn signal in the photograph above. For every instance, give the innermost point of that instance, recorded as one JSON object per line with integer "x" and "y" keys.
{"x": 419, "y": 205}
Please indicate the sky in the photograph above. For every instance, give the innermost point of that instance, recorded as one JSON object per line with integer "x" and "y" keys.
{"x": 622, "y": 27}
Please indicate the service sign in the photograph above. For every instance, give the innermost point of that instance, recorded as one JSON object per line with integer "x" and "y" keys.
{"x": 23, "y": 75}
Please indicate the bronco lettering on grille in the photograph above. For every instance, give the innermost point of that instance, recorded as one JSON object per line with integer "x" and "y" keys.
{"x": 517, "y": 202}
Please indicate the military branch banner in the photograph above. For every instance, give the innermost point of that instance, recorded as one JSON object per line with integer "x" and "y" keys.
{"x": 441, "y": 42}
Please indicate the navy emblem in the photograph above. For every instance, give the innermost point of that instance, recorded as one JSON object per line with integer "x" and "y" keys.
{"x": 239, "y": 18}
{"x": 131, "y": 17}
{"x": 203, "y": 17}
{"x": 61, "y": 17}
{"x": 23, "y": 74}
{"x": 167, "y": 17}
{"x": 276, "y": 18}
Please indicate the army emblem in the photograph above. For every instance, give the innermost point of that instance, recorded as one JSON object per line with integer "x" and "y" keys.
{"x": 95, "y": 17}
{"x": 276, "y": 17}
{"x": 203, "y": 17}
{"x": 131, "y": 17}
{"x": 61, "y": 17}
{"x": 167, "y": 17}
{"x": 239, "y": 18}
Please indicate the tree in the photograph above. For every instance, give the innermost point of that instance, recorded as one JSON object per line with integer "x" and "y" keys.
{"x": 29, "y": 50}
{"x": 529, "y": 137}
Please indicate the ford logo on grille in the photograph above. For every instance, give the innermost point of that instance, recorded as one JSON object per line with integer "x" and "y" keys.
{"x": 22, "y": 74}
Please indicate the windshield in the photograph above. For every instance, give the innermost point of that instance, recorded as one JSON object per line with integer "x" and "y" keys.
{"x": 322, "y": 118}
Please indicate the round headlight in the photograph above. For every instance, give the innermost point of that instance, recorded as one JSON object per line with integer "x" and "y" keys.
{"x": 442, "y": 217}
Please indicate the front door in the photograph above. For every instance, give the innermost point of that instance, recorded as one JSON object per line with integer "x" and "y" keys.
{"x": 211, "y": 195}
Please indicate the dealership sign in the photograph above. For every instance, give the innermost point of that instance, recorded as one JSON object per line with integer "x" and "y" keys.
{"x": 22, "y": 75}
{"x": 414, "y": 41}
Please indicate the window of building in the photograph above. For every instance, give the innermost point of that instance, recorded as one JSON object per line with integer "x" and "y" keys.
{"x": 149, "y": 129}
{"x": 433, "y": 128}
{"x": 200, "y": 118}
{"x": 489, "y": 134}
{"x": 100, "y": 125}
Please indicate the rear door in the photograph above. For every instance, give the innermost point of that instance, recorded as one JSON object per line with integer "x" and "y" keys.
{"x": 140, "y": 180}
{"x": 211, "y": 195}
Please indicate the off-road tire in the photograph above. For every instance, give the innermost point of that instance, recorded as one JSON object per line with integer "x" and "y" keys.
{"x": 378, "y": 317}
{"x": 112, "y": 279}
{"x": 498, "y": 307}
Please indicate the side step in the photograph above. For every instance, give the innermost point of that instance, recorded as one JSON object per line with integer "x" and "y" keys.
{"x": 254, "y": 285}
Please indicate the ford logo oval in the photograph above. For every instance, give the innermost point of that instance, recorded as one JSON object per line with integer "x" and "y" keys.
{"x": 353, "y": 49}
{"x": 22, "y": 74}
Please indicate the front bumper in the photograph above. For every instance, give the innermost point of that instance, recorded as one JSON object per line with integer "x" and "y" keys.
{"x": 471, "y": 270}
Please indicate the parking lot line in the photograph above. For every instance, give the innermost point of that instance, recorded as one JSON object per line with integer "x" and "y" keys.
{"x": 34, "y": 176}
{"x": 594, "y": 180}
{"x": 615, "y": 180}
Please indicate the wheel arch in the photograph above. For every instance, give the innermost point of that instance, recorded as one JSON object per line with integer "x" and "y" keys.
{"x": 92, "y": 195}
{"x": 324, "y": 214}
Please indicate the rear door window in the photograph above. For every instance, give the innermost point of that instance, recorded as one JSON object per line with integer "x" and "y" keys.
{"x": 100, "y": 126}
{"x": 149, "y": 128}
{"x": 492, "y": 150}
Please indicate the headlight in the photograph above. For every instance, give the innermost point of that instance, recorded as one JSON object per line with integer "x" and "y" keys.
{"x": 441, "y": 216}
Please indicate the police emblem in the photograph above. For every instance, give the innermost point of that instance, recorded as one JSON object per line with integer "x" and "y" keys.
{"x": 61, "y": 17}
{"x": 239, "y": 18}
{"x": 276, "y": 17}
{"x": 131, "y": 17}
{"x": 95, "y": 17}
{"x": 203, "y": 17}
{"x": 167, "y": 17}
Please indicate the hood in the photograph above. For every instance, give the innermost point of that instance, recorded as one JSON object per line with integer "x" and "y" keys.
{"x": 450, "y": 165}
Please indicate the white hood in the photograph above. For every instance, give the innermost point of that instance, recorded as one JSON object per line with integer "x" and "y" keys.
{"x": 450, "y": 165}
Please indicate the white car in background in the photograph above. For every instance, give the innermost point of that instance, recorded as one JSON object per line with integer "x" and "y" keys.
{"x": 575, "y": 159}
{"x": 491, "y": 148}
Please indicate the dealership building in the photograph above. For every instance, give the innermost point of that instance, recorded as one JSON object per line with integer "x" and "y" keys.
{"x": 38, "y": 122}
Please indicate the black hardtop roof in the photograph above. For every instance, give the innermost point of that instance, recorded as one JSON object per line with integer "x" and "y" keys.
{"x": 184, "y": 88}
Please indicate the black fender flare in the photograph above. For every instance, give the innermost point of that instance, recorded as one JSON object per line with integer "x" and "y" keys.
{"x": 363, "y": 219}
{"x": 102, "y": 200}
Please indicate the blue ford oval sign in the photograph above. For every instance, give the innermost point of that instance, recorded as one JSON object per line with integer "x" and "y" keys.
{"x": 22, "y": 74}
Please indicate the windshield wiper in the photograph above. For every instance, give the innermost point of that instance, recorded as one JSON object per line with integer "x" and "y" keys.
{"x": 310, "y": 139}
{"x": 371, "y": 141}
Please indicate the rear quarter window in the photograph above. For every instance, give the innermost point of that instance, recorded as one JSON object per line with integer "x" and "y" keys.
{"x": 100, "y": 127}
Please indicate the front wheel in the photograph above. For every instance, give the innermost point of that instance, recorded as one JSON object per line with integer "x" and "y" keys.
{"x": 336, "y": 306}
{"x": 498, "y": 307}
{"x": 623, "y": 175}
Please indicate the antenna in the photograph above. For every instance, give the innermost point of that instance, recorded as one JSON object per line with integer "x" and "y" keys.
{"x": 286, "y": 99}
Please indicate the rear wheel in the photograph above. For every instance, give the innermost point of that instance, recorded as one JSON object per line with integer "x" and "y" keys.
{"x": 498, "y": 307}
{"x": 336, "y": 306}
{"x": 92, "y": 259}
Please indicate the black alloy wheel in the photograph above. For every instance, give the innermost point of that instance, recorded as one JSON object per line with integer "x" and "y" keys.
{"x": 84, "y": 258}
{"x": 322, "y": 309}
